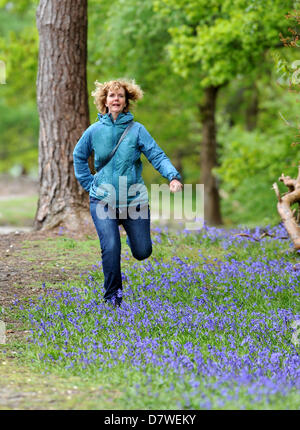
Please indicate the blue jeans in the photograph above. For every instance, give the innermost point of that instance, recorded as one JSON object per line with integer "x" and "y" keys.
{"x": 138, "y": 239}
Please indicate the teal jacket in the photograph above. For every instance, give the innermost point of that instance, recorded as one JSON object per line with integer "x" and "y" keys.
{"x": 101, "y": 137}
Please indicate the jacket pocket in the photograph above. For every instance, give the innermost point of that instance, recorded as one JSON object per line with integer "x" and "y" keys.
{"x": 99, "y": 177}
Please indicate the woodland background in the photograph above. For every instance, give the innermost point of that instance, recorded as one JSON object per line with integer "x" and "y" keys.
{"x": 256, "y": 114}
{"x": 211, "y": 320}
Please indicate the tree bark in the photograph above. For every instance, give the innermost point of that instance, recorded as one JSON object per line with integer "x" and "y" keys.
{"x": 212, "y": 211}
{"x": 63, "y": 111}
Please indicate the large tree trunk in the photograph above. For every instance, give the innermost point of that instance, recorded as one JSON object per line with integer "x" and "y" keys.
{"x": 212, "y": 212}
{"x": 63, "y": 111}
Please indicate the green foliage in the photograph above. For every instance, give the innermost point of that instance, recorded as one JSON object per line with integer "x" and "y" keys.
{"x": 18, "y": 211}
{"x": 19, "y": 6}
{"x": 245, "y": 154}
{"x": 169, "y": 108}
{"x": 19, "y": 134}
{"x": 173, "y": 48}
{"x": 20, "y": 52}
{"x": 19, "y": 119}
{"x": 222, "y": 38}
{"x": 134, "y": 33}
{"x": 288, "y": 64}
{"x": 251, "y": 161}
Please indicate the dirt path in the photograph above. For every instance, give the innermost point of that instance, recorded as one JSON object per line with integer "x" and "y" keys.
{"x": 17, "y": 273}
{"x": 26, "y": 262}
{"x": 21, "y": 387}
{"x": 17, "y": 186}
{"x": 24, "y": 389}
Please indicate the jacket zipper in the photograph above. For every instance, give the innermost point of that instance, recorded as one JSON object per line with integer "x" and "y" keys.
{"x": 113, "y": 163}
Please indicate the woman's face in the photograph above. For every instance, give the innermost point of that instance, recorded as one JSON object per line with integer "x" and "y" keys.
{"x": 116, "y": 100}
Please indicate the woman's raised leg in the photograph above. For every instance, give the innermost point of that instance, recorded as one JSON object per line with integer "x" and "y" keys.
{"x": 109, "y": 236}
{"x": 139, "y": 236}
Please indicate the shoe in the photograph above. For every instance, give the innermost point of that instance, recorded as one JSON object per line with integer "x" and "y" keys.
{"x": 113, "y": 303}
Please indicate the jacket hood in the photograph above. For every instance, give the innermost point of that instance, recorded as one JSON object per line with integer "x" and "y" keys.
{"x": 123, "y": 118}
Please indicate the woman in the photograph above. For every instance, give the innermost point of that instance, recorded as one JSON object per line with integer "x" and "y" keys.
{"x": 111, "y": 202}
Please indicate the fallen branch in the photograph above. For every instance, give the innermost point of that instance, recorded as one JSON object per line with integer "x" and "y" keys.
{"x": 246, "y": 235}
{"x": 277, "y": 192}
{"x": 285, "y": 203}
{"x": 260, "y": 237}
{"x": 265, "y": 234}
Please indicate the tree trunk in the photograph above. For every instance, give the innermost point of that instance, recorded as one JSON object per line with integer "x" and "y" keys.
{"x": 212, "y": 212}
{"x": 63, "y": 110}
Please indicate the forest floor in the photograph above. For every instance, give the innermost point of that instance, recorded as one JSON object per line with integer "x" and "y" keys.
{"x": 33, "y": 264}
{"x": 27, "y": 261}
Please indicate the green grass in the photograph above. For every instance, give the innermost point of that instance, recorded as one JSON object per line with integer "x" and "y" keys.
{"x": 18, "y": 211}
{"x": 130, "y": 389}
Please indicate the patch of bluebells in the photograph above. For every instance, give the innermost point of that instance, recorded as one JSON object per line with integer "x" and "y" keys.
{"x": 221, "y": 326}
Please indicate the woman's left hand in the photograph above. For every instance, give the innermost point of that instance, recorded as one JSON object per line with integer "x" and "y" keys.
{"x": 175, "y": 186}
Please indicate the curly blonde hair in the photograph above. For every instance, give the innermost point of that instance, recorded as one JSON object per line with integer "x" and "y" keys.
{"x": 133, "y": 92}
